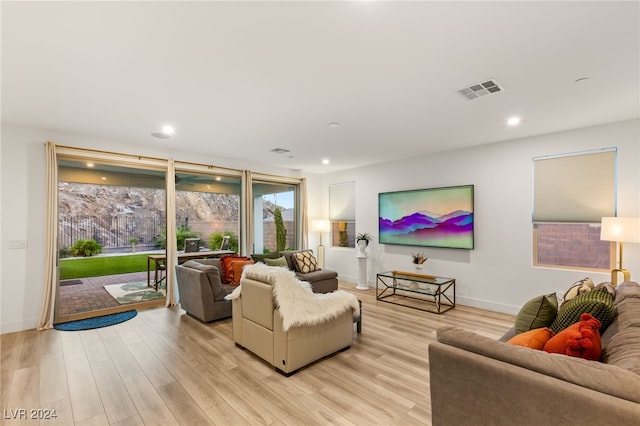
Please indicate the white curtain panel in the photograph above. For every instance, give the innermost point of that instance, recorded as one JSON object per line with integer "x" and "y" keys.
{"x": 246, "y": 211}
{"x": 172, "y": 245}
{"x": 51, "y": 240}
{"x": 304, "y": 212}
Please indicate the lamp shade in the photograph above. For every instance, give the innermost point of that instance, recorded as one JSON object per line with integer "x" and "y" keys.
{"x": 620, "y": 229}
{"x": 320, "y": 225}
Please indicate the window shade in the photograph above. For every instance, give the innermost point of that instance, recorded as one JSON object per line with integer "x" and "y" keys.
{"x": 342, "y": 201}
{"x": 575, "y": 188}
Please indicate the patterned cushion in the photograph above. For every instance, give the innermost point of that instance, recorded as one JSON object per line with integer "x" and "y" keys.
{"x": 579, "y": 287}
{"x": 305, "y": 261}
{"x": 598, "y": 303}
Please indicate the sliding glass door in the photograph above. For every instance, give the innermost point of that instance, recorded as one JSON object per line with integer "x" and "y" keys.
{"x": 275, "y": 216}
{"x": 207, "y": 208}
{"x": 111, "y": 218}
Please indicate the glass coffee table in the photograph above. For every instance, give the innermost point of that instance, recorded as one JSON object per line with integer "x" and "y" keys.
{"x": 418, "y": 291}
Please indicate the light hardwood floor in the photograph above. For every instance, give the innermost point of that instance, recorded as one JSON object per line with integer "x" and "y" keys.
{"x": 164, "y": 367}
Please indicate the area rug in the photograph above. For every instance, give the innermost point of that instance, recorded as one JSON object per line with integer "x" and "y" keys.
{"x": 96, "y": 322}
{"x": 134, "y": 292}
{"x": 70, "y": 282}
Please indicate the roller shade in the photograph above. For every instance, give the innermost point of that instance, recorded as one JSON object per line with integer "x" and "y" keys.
{"x": 575, "y": 188}
{"x": 342, "y": 201}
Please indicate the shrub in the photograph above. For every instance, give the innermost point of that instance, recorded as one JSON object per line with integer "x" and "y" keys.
{"x": 182, "y": 233}
{"x": 215, "y": 240}
{"x": 281, "y": 231}
{"x": 86, "y": 248}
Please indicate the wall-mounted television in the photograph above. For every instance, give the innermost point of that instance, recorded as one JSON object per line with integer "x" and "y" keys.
{"x": 433, "y": 217}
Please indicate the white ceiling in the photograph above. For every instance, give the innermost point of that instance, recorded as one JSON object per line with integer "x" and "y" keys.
{"x": 238, "y": 79}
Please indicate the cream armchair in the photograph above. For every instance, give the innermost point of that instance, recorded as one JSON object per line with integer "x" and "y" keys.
{"x": 279, "y": 318}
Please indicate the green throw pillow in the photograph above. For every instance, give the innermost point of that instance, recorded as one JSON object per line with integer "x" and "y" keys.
{"x": 280, "y": 261}
{"x": 537, "y": 313}
{"x": 597, "y": 302}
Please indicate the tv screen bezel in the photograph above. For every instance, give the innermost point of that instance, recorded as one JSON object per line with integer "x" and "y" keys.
{"x": 426, "y": 242}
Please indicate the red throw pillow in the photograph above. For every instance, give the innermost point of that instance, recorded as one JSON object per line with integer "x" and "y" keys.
{"x": 534, "y": 339}
{"x": 227, "y": 271}
{"x": 581, "y": 339}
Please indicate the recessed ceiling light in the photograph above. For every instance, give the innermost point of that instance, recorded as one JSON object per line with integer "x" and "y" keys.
{"x": 513, "y": 121}
{"x": 168, "y": 130}
{"x": 218, "y": 178}
{"x": 334, "y": 124}
{"x": 90, "y": 165}
{"x": 325, "y": 161}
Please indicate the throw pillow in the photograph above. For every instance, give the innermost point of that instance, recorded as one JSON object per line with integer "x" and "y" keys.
{"x": 598, "y": 303}
{"x": 534, "y": 339}
{"x": 235, "y": 272}
{"x": 305, "y": 261}
{"x": 537, "y": 312}
{"x": 281, "y": 261}
{"x": 581, "y": 339}
{"x": 579, "y": 287}
{"x": 227, "y": 272}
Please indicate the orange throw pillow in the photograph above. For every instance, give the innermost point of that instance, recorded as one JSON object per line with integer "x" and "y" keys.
{"x": 236, "y": 270}
{"x": 227, "y": 271}
{"x": 581, "y": 339}
{"x": 534, "y": 339}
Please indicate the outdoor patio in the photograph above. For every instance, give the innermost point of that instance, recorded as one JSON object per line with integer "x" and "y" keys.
{"x": 90, "y": 295}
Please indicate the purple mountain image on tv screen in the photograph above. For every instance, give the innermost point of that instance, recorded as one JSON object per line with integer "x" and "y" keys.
{"x": 452, "y": 229}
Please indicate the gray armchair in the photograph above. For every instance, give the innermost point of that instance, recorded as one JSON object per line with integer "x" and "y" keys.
{"x": 201, "y": 290}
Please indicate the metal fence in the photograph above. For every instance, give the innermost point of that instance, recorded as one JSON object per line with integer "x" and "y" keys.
{"x": 111, "y": 231}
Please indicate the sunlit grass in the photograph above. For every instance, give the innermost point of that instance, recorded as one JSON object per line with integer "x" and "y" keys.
{"x": 102, "y": 265}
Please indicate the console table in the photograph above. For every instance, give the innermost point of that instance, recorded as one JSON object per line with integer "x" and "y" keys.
{"x": 418, "y": 291}
{"x": 159, "y": 261}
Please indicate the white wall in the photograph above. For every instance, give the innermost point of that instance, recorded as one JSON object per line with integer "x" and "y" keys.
{"x": 498, "y": 274}
{"x": 22, "y": 197}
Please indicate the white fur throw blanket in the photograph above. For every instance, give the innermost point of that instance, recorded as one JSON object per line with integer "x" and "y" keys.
{"x": 299, "y": 305}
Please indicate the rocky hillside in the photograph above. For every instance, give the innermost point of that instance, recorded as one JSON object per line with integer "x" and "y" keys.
{"x": 113, "y": 215}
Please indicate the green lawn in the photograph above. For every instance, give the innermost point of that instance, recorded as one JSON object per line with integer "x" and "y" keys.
{"x": 103, "y": 265}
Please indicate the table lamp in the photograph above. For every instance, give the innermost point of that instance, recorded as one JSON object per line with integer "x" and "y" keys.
{"x": 320, "y": 225}
{"x": 621, "y": 230}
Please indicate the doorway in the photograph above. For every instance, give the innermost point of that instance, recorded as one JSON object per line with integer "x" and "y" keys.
{"x": 110, "y": 219}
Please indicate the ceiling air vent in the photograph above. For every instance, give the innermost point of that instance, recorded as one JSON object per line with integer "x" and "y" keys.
{"x": 280, "y": 150}
{"x": 480, "y": 89}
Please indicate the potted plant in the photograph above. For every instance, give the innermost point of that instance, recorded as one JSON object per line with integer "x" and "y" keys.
{"x": 418, "y": 259}
{"x": 364, "y": 236}
{"x": 362, "y": 241}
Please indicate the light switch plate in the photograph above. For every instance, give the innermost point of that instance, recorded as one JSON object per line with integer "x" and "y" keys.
{"x": 18, "y": 244}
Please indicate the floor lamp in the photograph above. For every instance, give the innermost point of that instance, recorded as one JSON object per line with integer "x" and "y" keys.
{"x": 621, "y": 230}
{"x": 320, "y": 226}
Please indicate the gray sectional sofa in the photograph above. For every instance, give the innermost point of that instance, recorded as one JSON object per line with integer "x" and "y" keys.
{"x": 321, "y": 280}
{"x": 475, "y": 380}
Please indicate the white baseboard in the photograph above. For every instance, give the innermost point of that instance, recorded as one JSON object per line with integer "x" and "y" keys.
{"x": 488, "y": 305}
{"x": 13, "y": 326}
